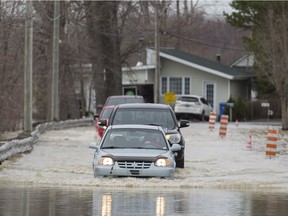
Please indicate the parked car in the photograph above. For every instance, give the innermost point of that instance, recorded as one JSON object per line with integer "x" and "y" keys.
{"x": 104, "y": 115}
{"x": 192, "y": 106}
{"x": 151, "y": 114}
{"x": 123, "y": 99}
{"x": 123, "y": 152}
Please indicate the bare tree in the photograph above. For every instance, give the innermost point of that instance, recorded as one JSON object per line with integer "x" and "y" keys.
{"x": 43, "y": 64}
{"x": 103, "y": 30}
{"x": 108, "y": 34}
{"x": 11, "y": 64}
{"x": 271, "y": 57}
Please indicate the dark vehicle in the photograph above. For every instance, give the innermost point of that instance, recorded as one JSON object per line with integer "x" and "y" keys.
{"x": 123, "y": 99}
{"x": 112, "y": 101}
{"x": 151, "y": 114}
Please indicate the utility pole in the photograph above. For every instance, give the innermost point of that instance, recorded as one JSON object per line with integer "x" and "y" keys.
{"x": 157, "y": 45}
{"x": 28, "y": 68}
{"x": 55, "y": 64}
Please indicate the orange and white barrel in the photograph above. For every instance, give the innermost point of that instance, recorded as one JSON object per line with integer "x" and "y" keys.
{"x": 212, "y": 120}
{"x": 271, "y": 145}
{"x": 223, "y": 125}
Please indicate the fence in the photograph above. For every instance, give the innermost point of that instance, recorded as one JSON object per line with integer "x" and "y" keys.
{"x": 13, "y": 147}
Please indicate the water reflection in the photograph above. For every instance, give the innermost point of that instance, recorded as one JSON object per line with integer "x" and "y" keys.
{"x": 160, "y": 206}
{"x": 131, "y": 203}
{"x": 32, "y": 201}
{"x": 106, "y": 205}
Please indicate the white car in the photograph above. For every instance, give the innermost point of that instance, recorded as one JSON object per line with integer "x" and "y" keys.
{"x": 192, "y": 106}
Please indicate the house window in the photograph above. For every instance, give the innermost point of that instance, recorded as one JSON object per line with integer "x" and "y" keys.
{"x": 178, "y": 85}
{"x": 210, "y": 93}
{"x": 175, "y": 84}
{"x": 187, "y": 86}
{"x": 164, "y": 86}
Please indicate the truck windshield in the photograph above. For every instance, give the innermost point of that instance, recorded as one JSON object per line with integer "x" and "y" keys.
{"x": 160, "y": 117}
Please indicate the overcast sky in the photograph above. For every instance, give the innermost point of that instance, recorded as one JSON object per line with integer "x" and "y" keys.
{"x": 215, "y": 7}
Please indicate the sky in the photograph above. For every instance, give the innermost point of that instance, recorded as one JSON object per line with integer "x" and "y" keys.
{"x": 216, "y": 7}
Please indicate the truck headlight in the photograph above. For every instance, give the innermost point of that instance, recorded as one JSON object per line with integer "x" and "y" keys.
{"x": 162, "y": 162}
{"x": 106, "y": 161}
{"x": 173, "y": 138}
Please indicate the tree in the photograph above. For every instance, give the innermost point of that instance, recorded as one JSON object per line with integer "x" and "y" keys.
{"x": 43, "y": 64}
{"x": 268, "y": 22}
{"x": 108, "y": 34}
{"x": 12, "y": 18}
{"x": 103, "y": 31}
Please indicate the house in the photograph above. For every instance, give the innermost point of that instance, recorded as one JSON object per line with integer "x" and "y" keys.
{"x": 182, "y": 74}
{"x": 185, "y": 74}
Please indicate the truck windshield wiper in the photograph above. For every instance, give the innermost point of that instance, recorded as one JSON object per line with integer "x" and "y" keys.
{"x": 154, "y": 124}
{"x": 109, "y": 147}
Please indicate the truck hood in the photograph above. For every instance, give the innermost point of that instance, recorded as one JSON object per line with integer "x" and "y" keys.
{"x": 135, "y": 154}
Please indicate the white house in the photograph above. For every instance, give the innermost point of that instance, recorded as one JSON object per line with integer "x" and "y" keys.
{"x": 184, "y": 74}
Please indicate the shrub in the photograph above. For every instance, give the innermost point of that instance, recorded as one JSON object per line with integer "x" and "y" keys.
{"x": 239, "y": 110}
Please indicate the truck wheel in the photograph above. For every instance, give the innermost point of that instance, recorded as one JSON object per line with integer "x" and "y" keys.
{"x": 180, "y": 163}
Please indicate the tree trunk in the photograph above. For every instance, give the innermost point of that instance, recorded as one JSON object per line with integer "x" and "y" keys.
{"x": 284, "y": 105}
{"x": 103, "y": 32}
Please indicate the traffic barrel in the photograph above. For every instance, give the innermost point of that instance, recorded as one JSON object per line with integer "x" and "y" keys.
{"x": 271, "y": 146}
{"x": 223, "y": 125}
{"x": 249, "y": 146}
{"x": 212, "y": 120}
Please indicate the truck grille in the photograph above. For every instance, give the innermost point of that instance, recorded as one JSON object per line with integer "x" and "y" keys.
{"x": 138, "y": 165}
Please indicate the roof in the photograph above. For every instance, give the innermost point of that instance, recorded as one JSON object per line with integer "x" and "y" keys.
{"x": 143, "y": 105}
{"x": 125, "y": 96}
{"x": 135, "y": 126}
{"x": 204, "y": 64}
{"x": 246, "y": 60}
{"x": 141, "y": 67}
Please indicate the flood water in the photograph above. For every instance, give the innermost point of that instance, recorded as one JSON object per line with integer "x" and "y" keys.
{"x": 220, "y": 178}
{"x": 46, "y": 200}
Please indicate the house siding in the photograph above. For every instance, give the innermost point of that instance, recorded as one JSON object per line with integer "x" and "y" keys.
{"x": 238, "y": 90}
{"x": 197, "y": 81}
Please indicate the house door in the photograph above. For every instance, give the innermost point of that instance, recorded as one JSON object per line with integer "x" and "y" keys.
{"x": 209, "y": 93}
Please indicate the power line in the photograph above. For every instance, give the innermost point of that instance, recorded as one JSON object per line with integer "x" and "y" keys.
{"x": 200, "y": 42}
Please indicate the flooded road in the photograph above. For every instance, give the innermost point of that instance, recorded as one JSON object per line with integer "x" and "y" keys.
{"x": 220, "y": 177}
{"x": 36, "y": 200}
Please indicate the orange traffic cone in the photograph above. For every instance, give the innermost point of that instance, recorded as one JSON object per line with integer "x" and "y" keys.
{"x": 237, "y": 123}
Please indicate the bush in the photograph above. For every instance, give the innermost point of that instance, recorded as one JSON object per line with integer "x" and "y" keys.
{"x": 239, "y": 110}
